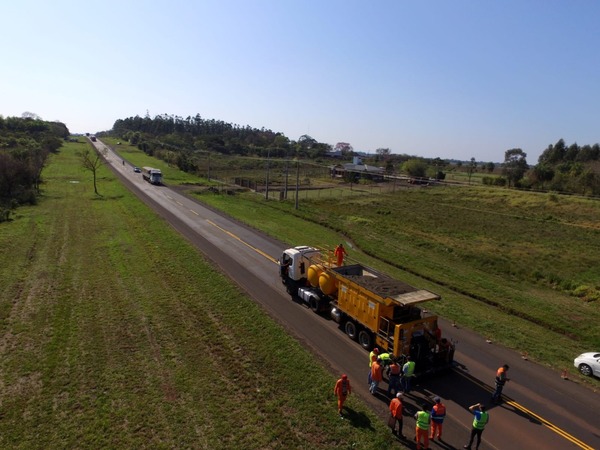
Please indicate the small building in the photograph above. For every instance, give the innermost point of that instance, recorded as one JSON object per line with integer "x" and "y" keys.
{"x": 361, "y": 170}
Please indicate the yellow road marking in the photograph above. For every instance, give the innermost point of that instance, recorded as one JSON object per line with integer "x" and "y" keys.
{"x": 260, "y": 252}
{"x": 551, "y": 426}
{"x": 521, "y": 408}
{"x": 194, "y": 212}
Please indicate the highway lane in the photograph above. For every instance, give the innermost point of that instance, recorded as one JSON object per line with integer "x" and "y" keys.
{"x": 542, "y": 409}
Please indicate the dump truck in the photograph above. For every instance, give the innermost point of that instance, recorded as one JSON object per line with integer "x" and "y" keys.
{"x": 369, "y": 306}
{"x": 152, "y": 175}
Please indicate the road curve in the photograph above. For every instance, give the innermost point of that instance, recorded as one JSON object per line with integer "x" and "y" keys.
{"x": 541, "y": 410}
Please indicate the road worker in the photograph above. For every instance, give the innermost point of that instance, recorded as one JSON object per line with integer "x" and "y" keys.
{"x": 372, "y": 358}
{"x": 438, "y": 414}
{"x": 500, "y": 382}
{"x": 423, "y": 419}
{"x": 339, "y": 253}
{"x": 396, "y": 409}
{"x": 386, "y": 359}
{"x": 480, "y": 419}
{"x": 342, "y": 390}
{"x": 394, "y": 371}
{"x": 376, "y": 376}
{"x": 408, "y": 372}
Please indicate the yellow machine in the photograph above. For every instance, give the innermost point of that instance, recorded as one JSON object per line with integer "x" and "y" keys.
{"x": 371, "y": 307}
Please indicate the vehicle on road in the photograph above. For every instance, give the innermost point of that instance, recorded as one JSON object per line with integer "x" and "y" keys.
{"x": 152, "y": 175}
{"x": 588, "y": 364}
{"x": 371, "y": 307}
{"x": 137, "y": 169}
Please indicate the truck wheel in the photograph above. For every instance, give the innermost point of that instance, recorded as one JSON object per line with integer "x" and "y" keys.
{"x": 351, "y": 330}
{"x": 314, "y": 305}
{"x": 365, "y": 340}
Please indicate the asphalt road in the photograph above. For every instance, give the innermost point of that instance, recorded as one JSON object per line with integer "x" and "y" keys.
{"x": 541, "y": 410}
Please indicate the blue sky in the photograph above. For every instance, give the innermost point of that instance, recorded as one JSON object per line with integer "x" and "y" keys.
{"x": 454, "y": 79}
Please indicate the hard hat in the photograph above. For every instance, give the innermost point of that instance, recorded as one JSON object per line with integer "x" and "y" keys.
{"x": 437, "y": 399}
{"x": 344, "y": 376}
{"x": 399, "y": 394}
{"x": 375, "y": 350}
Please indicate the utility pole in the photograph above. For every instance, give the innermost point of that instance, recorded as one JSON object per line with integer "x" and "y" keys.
{"x": 267, "y": 180}
{"x": 297, "y": 181}
{"x": 285, "y": 189}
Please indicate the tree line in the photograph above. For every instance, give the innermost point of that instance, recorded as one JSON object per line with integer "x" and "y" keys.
{"x": 565, "y": 168}
{"x": 25, "y": 144}
{"x": 196, "y": 133}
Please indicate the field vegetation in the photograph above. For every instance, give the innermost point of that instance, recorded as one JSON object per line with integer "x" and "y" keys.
{"x": 116, "y": 333}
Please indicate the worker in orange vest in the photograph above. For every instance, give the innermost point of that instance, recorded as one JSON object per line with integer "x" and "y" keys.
{"x": 394, "y": 371}
{"x": 438, "y": 414}
{"x": 342, "y": 390}
{"x": 339, "y": 253}
{"x": 376, "y": 376}
{"x": 396, "y": 414}
{"x": 500, "y": 382}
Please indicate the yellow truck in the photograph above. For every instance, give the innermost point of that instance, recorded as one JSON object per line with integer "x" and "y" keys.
{"x": 371, "y": 307}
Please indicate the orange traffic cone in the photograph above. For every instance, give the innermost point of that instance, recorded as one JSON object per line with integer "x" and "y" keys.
{"x": 524, "y": 356}
{"x": 564, "y": 375}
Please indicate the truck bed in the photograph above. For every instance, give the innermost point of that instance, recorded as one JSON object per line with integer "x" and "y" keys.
{"x": 382, "y": 285}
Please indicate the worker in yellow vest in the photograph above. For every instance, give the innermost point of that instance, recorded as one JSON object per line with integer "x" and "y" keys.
{"x": 423, "y": 419}
{"x": 408, "y": 372}
{"x": 480, "y": 419}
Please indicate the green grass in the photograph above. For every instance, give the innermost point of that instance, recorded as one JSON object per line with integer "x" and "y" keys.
{"x": 116, "y": 333}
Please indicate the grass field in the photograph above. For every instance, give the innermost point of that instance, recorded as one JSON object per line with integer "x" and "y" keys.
{"x": 115, "y": 333}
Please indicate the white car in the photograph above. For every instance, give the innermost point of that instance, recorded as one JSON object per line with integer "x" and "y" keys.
{"x": 588, "y": 364}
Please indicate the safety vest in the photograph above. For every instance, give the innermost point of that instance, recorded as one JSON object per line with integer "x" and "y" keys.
{"x": 501, "y": 376}
{"x": 438, "y": 413}
{"x": 372, "y": 358}
{"x": 394, "y": 369}
{"x": 480, "y": 420}
{"x": 409, "y": 368}
{"x": 385, "y": 358}
{"x": 396, "y": 408}
{"x": 423, "y": 418}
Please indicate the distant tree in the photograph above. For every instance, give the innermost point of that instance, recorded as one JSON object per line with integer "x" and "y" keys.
{"x": 515, "y": 165}
{"x": 490, "y": 167}
{"x": 30, "y": 115}
{"x": 382, "y": 154}
{"x": 306, "y": 142}
{"x": 415, "y": 167}
{"x": 344, "y": 148}
{"x": 471, "y": 168}
{"x": 554, "y": 153}
{"x": 92, "y": 160}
